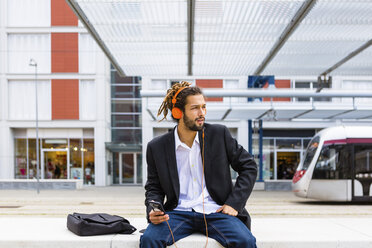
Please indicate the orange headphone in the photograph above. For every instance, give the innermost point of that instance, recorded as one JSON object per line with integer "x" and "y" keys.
{"x": 176, "y": 112}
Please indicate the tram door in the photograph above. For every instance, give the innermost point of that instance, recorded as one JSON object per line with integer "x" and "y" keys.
{"x": 362, "y": 172}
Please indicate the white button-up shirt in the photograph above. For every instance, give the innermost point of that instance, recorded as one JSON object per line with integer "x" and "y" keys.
{"x": 190, "y": 173}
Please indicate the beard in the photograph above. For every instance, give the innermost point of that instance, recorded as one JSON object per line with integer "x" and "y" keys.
{"x": 191, "y": 124}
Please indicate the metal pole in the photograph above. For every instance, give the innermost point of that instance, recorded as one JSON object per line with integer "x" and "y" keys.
{"x": 250, "y": 145}
{"x": 34, "y": 63}
{"x": 270, "y": 93}
{"x": 260, "y": 179}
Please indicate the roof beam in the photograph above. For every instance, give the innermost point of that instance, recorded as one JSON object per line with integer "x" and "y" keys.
{"x": 270, "y": 93}
{"x": 190, "y": 33}
{"x": 288, "y": 31}
{"x": 347, "y": 58}
{"x": 89, "y": 26}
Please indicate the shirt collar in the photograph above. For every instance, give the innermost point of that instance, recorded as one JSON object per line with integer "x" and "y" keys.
{"x": 178, "y": 142}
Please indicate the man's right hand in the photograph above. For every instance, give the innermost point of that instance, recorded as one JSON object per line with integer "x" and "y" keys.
{"x": 157, "y": 217}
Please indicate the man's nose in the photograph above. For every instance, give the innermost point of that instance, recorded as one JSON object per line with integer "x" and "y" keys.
{"x": 202, "y": 111}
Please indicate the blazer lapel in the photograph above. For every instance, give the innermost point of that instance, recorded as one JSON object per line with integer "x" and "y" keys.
{"x": 172, "y": 163}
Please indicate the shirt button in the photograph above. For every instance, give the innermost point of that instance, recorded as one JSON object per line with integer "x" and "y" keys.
{"x": 192, "y": 165}
{"x": 194, "y": 179}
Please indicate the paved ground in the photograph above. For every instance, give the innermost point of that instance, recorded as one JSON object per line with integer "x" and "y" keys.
{"x": 128, "y": 202}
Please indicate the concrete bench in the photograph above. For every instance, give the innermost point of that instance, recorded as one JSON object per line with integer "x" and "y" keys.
{"x": 32, "y": 232}
{"x": 43, "y": 184}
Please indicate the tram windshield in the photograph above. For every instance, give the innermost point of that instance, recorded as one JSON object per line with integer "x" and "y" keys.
{"x": 310, "y": 153}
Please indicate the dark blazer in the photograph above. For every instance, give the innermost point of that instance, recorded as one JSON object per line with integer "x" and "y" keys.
{"x": 221, "y": 150}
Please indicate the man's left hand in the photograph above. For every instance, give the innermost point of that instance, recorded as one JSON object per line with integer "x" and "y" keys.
{"x": 226, "y": 209}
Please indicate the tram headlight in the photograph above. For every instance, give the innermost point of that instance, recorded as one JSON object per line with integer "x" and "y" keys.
{"x": 298, "y": 175}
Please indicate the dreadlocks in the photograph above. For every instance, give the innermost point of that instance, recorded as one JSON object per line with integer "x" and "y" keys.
{"x": 181, "y": 97}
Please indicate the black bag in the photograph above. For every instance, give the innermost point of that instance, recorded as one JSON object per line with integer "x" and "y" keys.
{"x": 98, "y": 224}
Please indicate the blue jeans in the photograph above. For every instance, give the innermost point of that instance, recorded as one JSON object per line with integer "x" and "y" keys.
{"x": 228, "y": 230}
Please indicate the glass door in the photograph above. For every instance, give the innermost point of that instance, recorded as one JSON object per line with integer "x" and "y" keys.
{"x": 286, "y": 164}
{"x": 128, "y": 168}
{"x": 54, "y": 164}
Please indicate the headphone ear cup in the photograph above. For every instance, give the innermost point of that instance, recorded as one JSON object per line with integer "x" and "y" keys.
{"x": 177, "y": 113}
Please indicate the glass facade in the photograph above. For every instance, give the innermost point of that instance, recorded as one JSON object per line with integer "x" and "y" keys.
{"x": 53, "y": 159}
{"x": 88, "y": 158}
{"x": 126, "y": 129}
{"x": 126, "y": 119}
{"x": 281, "y": 156}
{"x": 21, "y": 159}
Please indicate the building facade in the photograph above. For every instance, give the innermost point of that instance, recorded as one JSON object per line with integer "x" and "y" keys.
{"x": 94, "y": 125}
{"x": 73, "y": 87}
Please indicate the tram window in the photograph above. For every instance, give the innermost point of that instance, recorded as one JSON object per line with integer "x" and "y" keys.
{"x": 310, "y": 152}
{"x": 363, "y": 160}
{"x": 333, "y": 163}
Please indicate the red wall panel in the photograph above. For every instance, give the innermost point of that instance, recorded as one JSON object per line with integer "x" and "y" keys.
{"x": 210, "y": 83}
{"x": 65, "y": 52}
{"x": 62, "y": 14}
{"x": 279, "y": 84}
{"x": 65, "y": 99}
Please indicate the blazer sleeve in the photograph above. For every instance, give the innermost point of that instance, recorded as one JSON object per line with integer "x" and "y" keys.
{"x": 243, "y": 163}
{"x": 153, "y": 188}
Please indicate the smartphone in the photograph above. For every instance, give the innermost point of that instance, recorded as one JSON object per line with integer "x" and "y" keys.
{"x": 156, "y": 206}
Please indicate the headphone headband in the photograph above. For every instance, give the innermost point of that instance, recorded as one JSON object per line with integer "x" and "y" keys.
{"x": 174, "y": 100}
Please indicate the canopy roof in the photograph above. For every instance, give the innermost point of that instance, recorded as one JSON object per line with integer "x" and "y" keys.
{"x": 232, "y": 37}
{"x": 352, "y": 107}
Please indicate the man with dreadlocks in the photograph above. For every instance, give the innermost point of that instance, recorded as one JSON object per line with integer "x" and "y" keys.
{"x": 190, "y": 166}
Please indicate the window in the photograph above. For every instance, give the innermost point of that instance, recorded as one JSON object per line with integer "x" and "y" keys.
{"x": 126, "y": 109}
{"x": 126, "y": 106}
{"x": 28, "y": 13}
{"x": 21, "y": 99}
{"x": 234, "y": 85}
{"x": 310, "y": 153}
{"x": 357, "y": 85}
{"x": 87, "y": 54}
{"x": 125, "y": 91}
{"x": 21, "y": 159}
{"x": 22, "y": 47}
{"x": 76, "y": 158}
{"x": 333, "y": 163}
{"x": 126, "y": 120}
{"x": 363, "y": 161}
{"x": 87, "y": 100}
{"x": 127, "y": 135}
{"x": 158, "y": 84}
{"x": 88, "y": 148}
{"x": 309, "y": 85}
{"x": 288, "y": 143}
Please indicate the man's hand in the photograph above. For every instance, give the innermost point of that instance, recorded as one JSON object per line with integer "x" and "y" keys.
{"x": 226, "y": 209}
{"x": 157, "y": 217}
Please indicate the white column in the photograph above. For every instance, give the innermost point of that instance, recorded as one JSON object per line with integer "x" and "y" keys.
{"x": 101, "y": 126}
{"x": 6, "y": 165}
{"x": 147, "y": 129}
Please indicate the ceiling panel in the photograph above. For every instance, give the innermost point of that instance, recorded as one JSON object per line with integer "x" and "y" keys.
{"x": 290, "y": 111}
{"x": 360, "y": 65}
{"x": 231, "y": 37}
{"x": 330, "y": 32}
{"x": 249, "y": 111}
{"x": 360, "y": 112}
{"x": 145, "y": 37}
{"x": 325, "y": 111}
